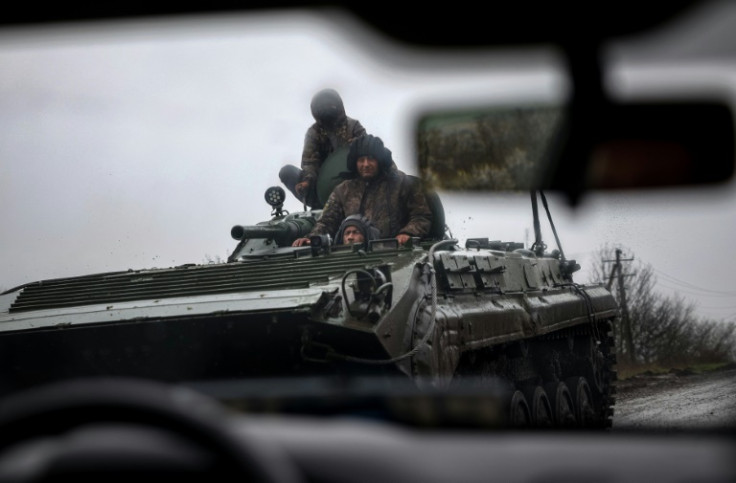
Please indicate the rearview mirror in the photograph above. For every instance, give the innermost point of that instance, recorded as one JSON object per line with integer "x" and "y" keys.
{"x": 526, "y": 148}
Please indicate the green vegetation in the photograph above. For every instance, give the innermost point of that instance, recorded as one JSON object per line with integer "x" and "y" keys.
{"x": 500, "y": 149}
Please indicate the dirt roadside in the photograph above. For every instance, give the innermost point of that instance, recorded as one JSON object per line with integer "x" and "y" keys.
{"x": 677, "y": 400}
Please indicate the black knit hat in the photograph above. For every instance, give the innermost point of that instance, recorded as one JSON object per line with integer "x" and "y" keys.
{"x": 369, "y": 145}
{"x": 369, "y": 231}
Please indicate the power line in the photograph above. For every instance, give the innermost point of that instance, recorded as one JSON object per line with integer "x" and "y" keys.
{"x": 727, "y": 307}
{"x": 693, "y": 286}
{"x": 697, "y": 294}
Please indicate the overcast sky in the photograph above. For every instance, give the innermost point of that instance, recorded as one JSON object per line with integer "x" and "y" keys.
{"x": 140, "y": 145}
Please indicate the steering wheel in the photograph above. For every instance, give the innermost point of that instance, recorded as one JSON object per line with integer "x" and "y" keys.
{"x": 193, "y": 419}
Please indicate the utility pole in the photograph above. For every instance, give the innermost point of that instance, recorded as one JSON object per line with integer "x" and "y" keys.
{"x": 627, "y": 334}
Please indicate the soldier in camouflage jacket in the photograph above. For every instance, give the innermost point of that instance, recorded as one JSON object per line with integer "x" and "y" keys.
{"x": 393, "y": 201}
{"x": 332, "y": 130}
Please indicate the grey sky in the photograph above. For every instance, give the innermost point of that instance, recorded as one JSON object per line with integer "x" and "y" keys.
{"x": 142, "y": 151}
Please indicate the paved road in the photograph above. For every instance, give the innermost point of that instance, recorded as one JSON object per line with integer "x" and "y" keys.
{"x": 672, "y": 401}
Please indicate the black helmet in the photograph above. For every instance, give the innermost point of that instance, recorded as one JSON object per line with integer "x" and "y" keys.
{"x": 369, "y": 231}
{"x": 369, "y": 145}
{"x": 327, "y": 106}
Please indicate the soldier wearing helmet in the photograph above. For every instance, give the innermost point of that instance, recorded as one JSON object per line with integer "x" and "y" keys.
{"x": 331, "y": 130}
{"x": 393, "y": 201}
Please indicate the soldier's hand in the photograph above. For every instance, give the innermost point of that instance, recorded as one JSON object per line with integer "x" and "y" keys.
{"x": 302, "y": 188}
{"x": 301, "y": 242}
{"x": 403, "y": 238}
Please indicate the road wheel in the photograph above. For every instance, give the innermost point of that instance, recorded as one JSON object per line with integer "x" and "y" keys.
{"x": 539, "y": 407}
{"x": 585, "y": 413}
{"x": 561, "y": 401}
{"x": 519, "y": 415}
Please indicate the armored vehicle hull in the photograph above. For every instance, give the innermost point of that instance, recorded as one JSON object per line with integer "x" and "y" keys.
{"x": 434, "y": 312}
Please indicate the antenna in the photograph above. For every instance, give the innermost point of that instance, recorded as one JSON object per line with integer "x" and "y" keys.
{"x": 538, "y": 246}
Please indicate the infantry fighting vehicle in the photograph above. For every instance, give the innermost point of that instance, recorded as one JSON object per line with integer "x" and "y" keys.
{"x": 433, "y": 312}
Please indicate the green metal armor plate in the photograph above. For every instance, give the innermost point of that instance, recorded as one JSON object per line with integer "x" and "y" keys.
{"x": 329, "y": 173}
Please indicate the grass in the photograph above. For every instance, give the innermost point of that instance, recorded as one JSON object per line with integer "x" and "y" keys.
{"x": 626, "y": 371}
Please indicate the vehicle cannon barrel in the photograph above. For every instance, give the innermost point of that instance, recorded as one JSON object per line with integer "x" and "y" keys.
{"x": 283, "y": 231}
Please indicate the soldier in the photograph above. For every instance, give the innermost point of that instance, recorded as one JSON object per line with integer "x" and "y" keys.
{"x": 332, "y": 130}
{"x": 356, "y": 229}
{"x": 374, "y": 188}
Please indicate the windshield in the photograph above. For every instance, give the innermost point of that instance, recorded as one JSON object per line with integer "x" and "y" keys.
{"x": 136, "y": 145}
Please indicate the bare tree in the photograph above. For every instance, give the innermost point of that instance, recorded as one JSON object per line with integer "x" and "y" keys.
{"x": 659, "y": 329}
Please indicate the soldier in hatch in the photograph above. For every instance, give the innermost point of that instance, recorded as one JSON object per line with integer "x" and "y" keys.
{"x": 394, "y": 202}
{"x": 356, "y": 229}
{"x": 332, "y": 130}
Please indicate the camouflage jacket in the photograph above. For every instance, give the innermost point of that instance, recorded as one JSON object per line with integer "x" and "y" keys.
{"x": 319, "y": 143}
{"x": 395, "y": 203}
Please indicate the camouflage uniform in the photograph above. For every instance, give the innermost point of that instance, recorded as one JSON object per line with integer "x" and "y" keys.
{"x": 332, "y": 130}
{"x": 319, "y": 143}
{"x": 393, "y": 201}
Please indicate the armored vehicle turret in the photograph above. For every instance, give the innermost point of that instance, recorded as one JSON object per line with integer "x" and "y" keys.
{"x": 433, "y": 312}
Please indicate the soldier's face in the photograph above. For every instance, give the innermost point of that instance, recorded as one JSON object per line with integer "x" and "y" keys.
{"x": 367, "y": 167}
{"x": 352, "y": 235}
